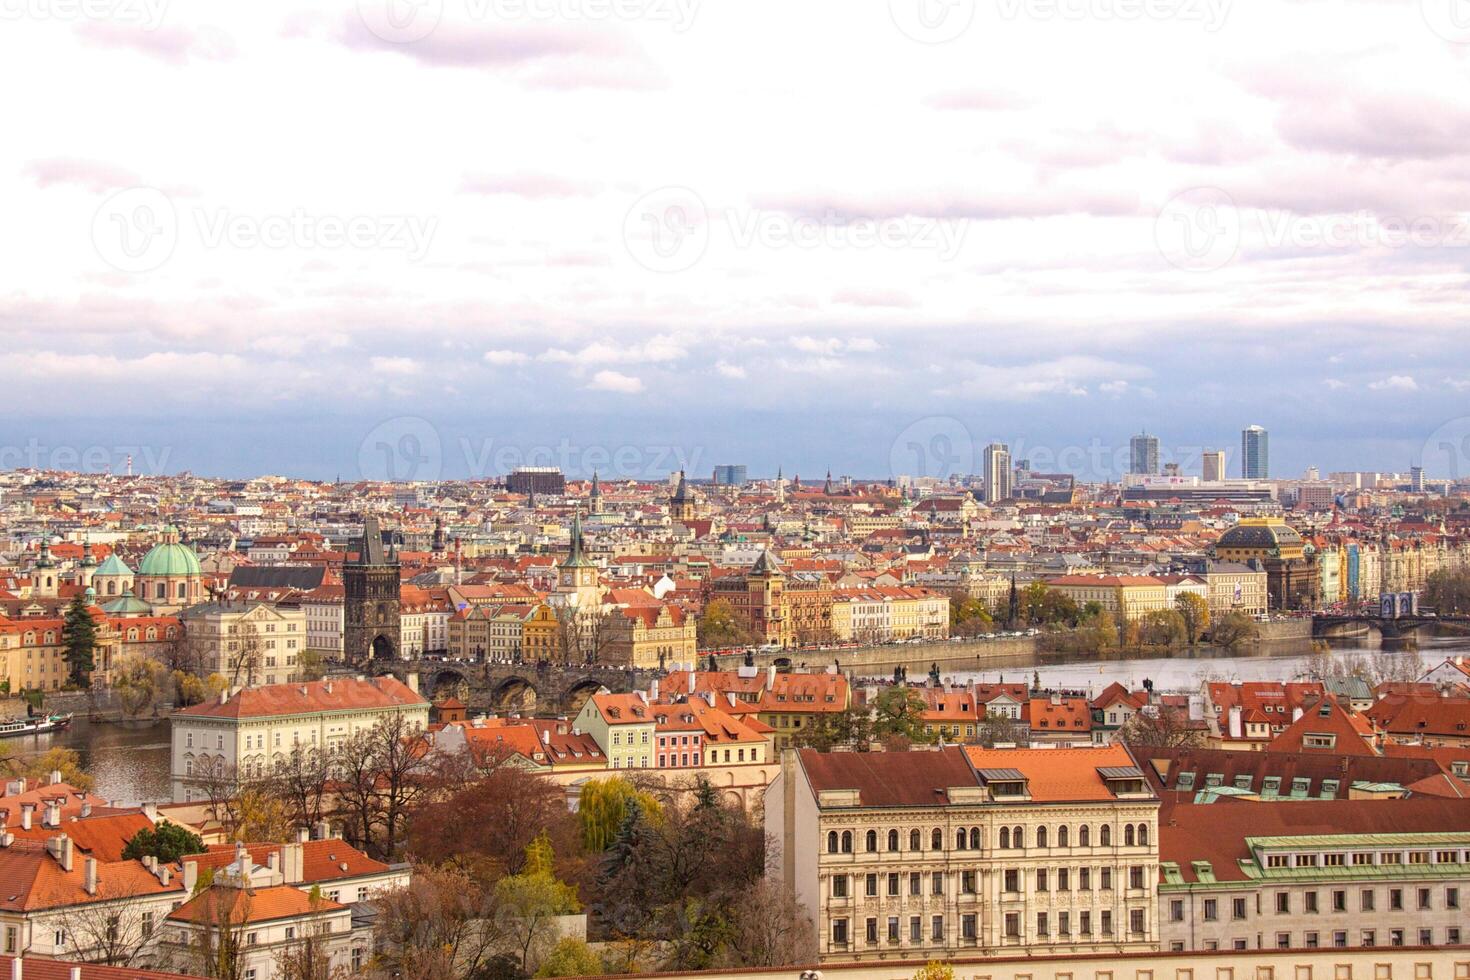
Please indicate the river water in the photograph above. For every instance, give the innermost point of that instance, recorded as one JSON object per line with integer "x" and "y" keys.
{"x": 130, "y": 762}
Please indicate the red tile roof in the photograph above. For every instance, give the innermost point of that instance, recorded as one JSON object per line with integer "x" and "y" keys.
{"x": 889, "y": 778}
{"x": 340, "y": 694}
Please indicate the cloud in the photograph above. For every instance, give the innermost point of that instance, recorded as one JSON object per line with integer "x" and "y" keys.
{"x": 729, "y": 370}
{"x": 402, "y": 367}
{"x": 94, "y": 175}
{"x": 977, "y": 100}
{"x": 624, "y": 384}
{"x": 502, "y": 357}
{"x": 535, "y": 186}
{"x": 172, "y": 44}
{"x": 660, "y": 349}
{"x": 1334, "y": 384}
{"x": 999, "y": 204}
{"x": 1396, "y": 382}
{"x": 833, "y": 345}
{"x": 890, "y": 298}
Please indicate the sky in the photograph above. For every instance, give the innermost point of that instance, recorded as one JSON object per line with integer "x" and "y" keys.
{"x": 439, "y": 238}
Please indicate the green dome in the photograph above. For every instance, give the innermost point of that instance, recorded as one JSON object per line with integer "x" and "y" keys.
{"x": 170, "y": 559}
{"x": 113, "y": 565}
{"x": 127, "y": 605}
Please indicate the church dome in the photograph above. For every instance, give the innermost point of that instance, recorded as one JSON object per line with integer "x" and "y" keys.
{"x": 113, "y": 565}
{"x": 170, "y": 559}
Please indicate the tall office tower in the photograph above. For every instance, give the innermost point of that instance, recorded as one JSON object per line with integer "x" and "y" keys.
{"x": 1254, "y": 453}
{"x": 1416, "y": 479}
{"x": 997, "y": 472}
{"x": 1213, "y": 465}
{"x": 1143, "y": 454}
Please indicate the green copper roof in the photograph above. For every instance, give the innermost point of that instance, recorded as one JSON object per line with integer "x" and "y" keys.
{"x": 127, "y": 605}
{"x": 113, "y": 565}
{"x": 170, "y": 559}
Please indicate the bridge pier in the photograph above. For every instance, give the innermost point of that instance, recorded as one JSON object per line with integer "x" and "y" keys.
{"x": 542, "y": 690}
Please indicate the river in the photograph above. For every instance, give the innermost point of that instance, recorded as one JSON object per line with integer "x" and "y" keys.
{"x": 131, "y": 764}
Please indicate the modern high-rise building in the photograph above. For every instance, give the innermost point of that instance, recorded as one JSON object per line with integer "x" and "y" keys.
{"x": 1416, "y": 479}
{"x": 1143, "y": 454}
{"x": 997, "y": 472}
{"x": 1254, "y": 454}
{"x": 729, "y": 475}
{"x": 1212, "y": 465}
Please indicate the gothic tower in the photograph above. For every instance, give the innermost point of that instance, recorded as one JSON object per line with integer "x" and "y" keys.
{"x": 371, "y": 600}
{"x": 683, "y": 506}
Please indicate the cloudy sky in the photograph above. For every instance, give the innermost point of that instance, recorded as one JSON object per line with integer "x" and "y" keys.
{"x": 448, "y": 236}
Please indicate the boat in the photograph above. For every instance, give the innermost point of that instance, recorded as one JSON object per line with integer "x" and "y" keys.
{"x": 19, "y": 727}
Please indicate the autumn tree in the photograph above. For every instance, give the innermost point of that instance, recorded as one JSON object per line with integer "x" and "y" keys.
{"x": 300, "y": 781}
{"x": 530, "y": 902}
{"x": 1232, "y": 629}
{"x": 141, "y": 684}
{"x": 445, "y": 924}
{"x": 571, "y": 957}
{"x": 1162, "y": 727}
{"x": 487, "y": 824}
{"x": 112, "y": 928}
{"x": 769, "y": 927}
{"x": 309, "y": 956}
{"x": 1195, "y": 612}
{"x": 1162, "y": 628}
{"x": 852, "y": 727}
{"x": 899, "y": 710}
{"x": 383, "y": 774}
{"x": 603, "y": 806}
{"x": 720, "y": 626}
{"x": 66, "y": 761}
{"x": 934, "y": 970}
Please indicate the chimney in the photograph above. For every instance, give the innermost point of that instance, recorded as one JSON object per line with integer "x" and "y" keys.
{"x": 53, "y": 813}
{"x": 15, "y": 969}
{"x": 693, "y": 679}
{"x": 90, "y": 871}
{"x": 191, "y": 875}
{"x": 293, "y": 863}
{"x": 87, "y": 808}
{"x": 26, "y": 809}
{"x": 770, "y": 676}
{"x": 327, "y": 686}
{"x": 76, "y": 973}
{"x": 653, "y": 689}
{"x": 64, "y": 852}
{"x": 303, "y": 834}
{"x": 1236, "y": 728}
{"x": 321, "y": 830}
{"x": 55, "y": 777}
{"x": 150, "y": 810}
{"x": 224, "y": 697}
{"x": 413, "y": 681}
{"x": 165, "y": 874}
{"x": 545, "y": 736}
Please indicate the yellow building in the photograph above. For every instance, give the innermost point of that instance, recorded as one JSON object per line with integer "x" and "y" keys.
{"x": 623, "y": 725}
{"x": 792, "y": 703}
{"x": 1125, "y": 596}
{"x": 650, "y": 636}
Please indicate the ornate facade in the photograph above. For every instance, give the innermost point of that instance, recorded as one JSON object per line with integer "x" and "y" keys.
{"x": 372, "y": 601}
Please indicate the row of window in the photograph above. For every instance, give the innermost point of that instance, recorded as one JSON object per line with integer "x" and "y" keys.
{"x": 1134, "y": 835}
{"x": 874, "y": 932}
{"x": 1339, "y": 939}
{"x": 1311, "y": 904}
{"x": 968, "y": 882}
{"x": 1339, "y": 859}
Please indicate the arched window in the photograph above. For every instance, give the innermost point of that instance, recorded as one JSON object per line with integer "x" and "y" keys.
{"x": 133, "y": 635}
{"x": 111, "y": 587}
{"x": 1063, "y": 836}
{"x": 1084, "y": 836}
{"x": 893, "y": 840}
{"x": 1105, "y": 836}
{"x": 1143, "y": 835}
{"x": 916, "y": 841}
{"x": 936, "y": 840}
{"x": 1128, "y": 835}
{"x": 974, "y": 838}
{"x": 831, "y": 842}
{"x": 847, "y": 842}
{"x": 1018, "y": 837}
{"x": 870, "y": 841}
{"x": 959, "y": 839}
{"x": 1041, "y": 837}
{"x": 1005, "y": 838}
{"x": 50, "y": 637}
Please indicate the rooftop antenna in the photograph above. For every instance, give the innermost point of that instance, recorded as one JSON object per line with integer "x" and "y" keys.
{"x": 130, "y": 464}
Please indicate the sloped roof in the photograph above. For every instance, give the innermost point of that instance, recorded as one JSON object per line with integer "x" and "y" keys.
{"x": 889, "y": 778}
{"x": 340, "y": 694}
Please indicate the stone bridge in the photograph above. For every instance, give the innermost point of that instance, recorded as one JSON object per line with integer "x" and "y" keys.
{"x": 1388, "y": 627}
{"x": 527, "y": 689}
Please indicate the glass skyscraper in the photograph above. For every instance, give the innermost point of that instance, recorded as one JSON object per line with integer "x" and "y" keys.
{"x": 1254, "y": 455}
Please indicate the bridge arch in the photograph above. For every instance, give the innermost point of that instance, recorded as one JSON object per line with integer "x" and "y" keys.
{"x": 578, "y": 694}
{"x": 514, "y": 695}
{"x": 449, "y": 683}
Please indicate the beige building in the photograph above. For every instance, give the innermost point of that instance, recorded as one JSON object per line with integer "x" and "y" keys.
{"x": 1125, "y": 596}
{"x": 649, "y": 636}
{"x": 1233, "y": 586}
{"x": 934, "y": 854}
{"x": 254, "y": 730}
{"x": 247, "y": 643}
{"x": 1308, "y": 874}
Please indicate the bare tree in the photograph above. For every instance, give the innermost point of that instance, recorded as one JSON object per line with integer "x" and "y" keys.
{"x": 309, "y": 955}
{"x": 113, "y": 929}
{"x": 382, "y": 774}
{"x": 770, "y": 928}
{"x": 1162, "y": 728}
{"x": 443, "y": 924}
{"x": 300, "y": 781}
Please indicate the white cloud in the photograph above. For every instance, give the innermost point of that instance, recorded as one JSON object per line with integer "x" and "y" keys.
{"x": 402, "y": 367}
{"x": 1396, "y": 382}
{"x": 616, "y": 381}
{"x": 729, "y": 370}
{"x": 1334, "y": 384}
{"x": 503, "y": 357}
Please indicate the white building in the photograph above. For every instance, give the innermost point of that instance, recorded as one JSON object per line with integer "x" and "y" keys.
{"x": 248, "y": 643}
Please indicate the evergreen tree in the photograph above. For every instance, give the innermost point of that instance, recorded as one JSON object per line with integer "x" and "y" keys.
{"x": 80, "y": 636}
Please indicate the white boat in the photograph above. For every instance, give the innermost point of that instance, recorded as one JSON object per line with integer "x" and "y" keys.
{"x": 19, "y": 727}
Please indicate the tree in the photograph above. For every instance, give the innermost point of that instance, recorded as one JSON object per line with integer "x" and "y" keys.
{"x": 720, "y": 626}
{"x": 1232, "y": 629}
{"x": 383, "y": 774}
{"x": 1161, "y": 628}
{"x": 603, "y": 809}
{"x": 141, "y": 683}
{"x": 300, "y": 782}
{"x": 217, "y": 943}
{"x": 110, "y": 929}
{"x": 571, "y": 957}
{"x": 308, "y": 956}
{"x": 79, "y": 634}
{"x": 899, "y": 710}
{"x": 443, "y": 925}
{"x": 1195, "y": 612}
{"x": 769, "y": 927}
{"x": 66, "y": 761}
{"x": 1162, "y": 728}
{"x": 487, "y": 825}
{"x": 968, "y": 616}
{"x": 1447, "y": 591}
{"x": 529, "y": 903}
{"x": 312, "y": 666}
{"x": 852, "y": 727}
{"x": 998, "y": 729}
{"x": 934, "y": 970}
{"x": 164, "y": 840}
